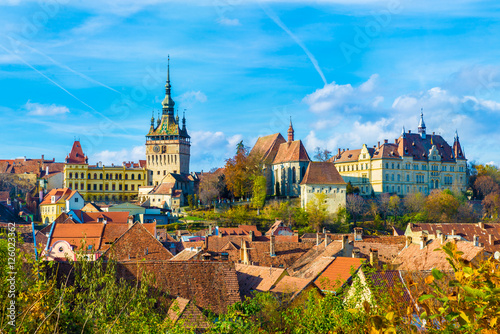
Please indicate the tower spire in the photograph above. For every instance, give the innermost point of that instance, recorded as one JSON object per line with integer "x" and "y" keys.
{"x": 290, "y": 131}
{"x": 153, "y": 119}
{"x": 168, "y": 104}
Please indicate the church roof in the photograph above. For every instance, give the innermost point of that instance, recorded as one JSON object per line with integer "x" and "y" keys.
{"x": 291, "y": 151}
{"x": 268, "y": 146}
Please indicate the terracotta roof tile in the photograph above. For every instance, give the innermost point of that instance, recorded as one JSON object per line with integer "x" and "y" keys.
{"x": 186, "y": 311}
{"x": 322, "y": 173}
{"x": 414, "y": 258}
{"x": 291, "y": 151}
{"x": 268, "y": 146}
{"x": 76, "y": 155}
{"x": 338, "y": 272}
{"x": 256, "y": 278}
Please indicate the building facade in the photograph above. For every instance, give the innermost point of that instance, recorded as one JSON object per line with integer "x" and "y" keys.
{"x": 323, "y": 178}
{"x": 415, "y": 162}
{"x": 168, "y": 144}
{"x": 58, "y": 201}
{"x": 103, "y": 183}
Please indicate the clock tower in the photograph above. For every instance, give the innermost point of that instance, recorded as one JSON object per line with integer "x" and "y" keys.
{"x": 167, "y": 143}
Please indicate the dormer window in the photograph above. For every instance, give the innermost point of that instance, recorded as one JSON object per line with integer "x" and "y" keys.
{"x": 53, "y": 199}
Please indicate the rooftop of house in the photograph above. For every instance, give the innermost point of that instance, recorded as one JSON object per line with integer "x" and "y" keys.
{"x": 291, "y": 151}
{"x": 315, "y": 260}
{"x": 414, "y": 257}
{"x": 488, "y": 233}
{"x": 322, "y": 173}
{"x": 267, "y": 147}
{"x": 60, "y": 195}
{"x": 186, "y": 310}
{"x": 338, "y": 272}
{"x": 256, "y": 278}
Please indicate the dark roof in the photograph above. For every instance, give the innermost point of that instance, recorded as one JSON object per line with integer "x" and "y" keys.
{"x": 268, "y": 146}
{"x": 322, "y": 173}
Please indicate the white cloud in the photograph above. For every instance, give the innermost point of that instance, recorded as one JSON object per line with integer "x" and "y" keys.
{"x": 118, "y": 157}
{"x": 192, "y": 96}
{"x": 211, "y": 149}
{"x": 37, "y": 109}
{"x": 335, "y": 97}
{"x": 228, "y": 22}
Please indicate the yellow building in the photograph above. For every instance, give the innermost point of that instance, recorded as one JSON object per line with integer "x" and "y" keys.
{"x": 58, "y": 201}
{"x": 103, "y": 183}
{"x": 415, "y": 162}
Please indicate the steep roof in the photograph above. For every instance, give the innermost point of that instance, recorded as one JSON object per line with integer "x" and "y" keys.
{"x": 137, "y": 243}
{"x": 268, "y": 146}
{"x": 187, "y": 254}
{"x": 291, "y": 285}
{"x": 322, "y": 173}
{"x": 76, "y": 155}
{"x": 338, "y": 272}
{"x": 291, "y": 151}
{"x": 256, "y": 278}
{"x": 315, "y": 260}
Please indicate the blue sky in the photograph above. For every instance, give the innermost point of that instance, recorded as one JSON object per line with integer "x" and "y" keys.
{"x": 347, "y": 72}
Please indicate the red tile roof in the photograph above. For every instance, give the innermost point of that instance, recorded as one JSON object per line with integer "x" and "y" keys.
{"x": 291, "y": 151}
{"x": 76, "y": 234}
{"x": 60, "y": 194}
{"x": 267, "y": 147}
{"x": 414, "y": 258}
{"x": 322, "y": 173}
{"x": 466, "y": 231}
{"x": 256, "y": 278}
{"x": 186, "y": 311}
{"x": 338, "y": 272}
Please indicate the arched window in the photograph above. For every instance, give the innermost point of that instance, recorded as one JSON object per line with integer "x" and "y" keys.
{"x": 106, "y": 187}
{"x": 113, "y": 187}
{"x": 120, "y": 176}
{"x": 71, "y": 186}
{"x": 294, "y": 176}
{"x": 139, "y": 177}
{"x": 95, "y": 176}
{"x": 132, "y": 176}
{"x": 116, "y": 176}
{"x": 100, "y": 176}
{"x": 70, "y": 175}
{"x": 82, "y": 176}
{"x": 88, "y": 176}
{"x": 107, "y": 176}
{"x": 126, "y": 176}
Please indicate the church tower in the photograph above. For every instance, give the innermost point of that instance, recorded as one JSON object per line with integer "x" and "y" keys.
{"x": 168, "y": 143}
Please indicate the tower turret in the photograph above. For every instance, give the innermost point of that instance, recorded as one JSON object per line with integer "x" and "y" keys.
{"x": 421, "y": 124}
{"x": 168, "y": 104}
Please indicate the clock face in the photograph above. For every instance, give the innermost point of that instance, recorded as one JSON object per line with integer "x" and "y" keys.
{"x": 156, "y": 149}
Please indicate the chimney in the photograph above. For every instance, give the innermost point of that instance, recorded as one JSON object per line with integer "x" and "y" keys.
{"x": 358, "y": 234}
{"x": 355, "y": 253}
{"x": 386, "y": 141}
{"x": 317, "y": 238}
{"x": 327, "y": 240}
{"x": 396, "y": 141}
{"x": 490, "y": 237}
{"x": 476, "y": 240}
{"x": 47, "y": 170}
{"x": 345, "y": 241}
{"x": 373, "y": 257}
{"x": 408, "y": 241}
{"x": 409, "y": 131}
{"x": 378, "y": 145}
{"x": 205, "y": 243}
{"x": 481, "y": 225}
{"x": 210, "y": 230}
{"x": 43, "y": 157}
{"x": 443, "y": 238}
{"x": 244, "y": 252}
{"x": 250, "y": 234}
{"x": 423, "y": 241}
{"x": 433, "y": 133}
{"x": 339, "y": 151}
{"x": 453, "y": 232}
{"x": 271, "y": 246}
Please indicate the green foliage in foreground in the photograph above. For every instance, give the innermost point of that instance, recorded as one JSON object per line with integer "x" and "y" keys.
{"x": 465, "y": 301}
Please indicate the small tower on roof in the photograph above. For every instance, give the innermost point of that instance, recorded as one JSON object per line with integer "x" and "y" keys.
{"x": 290, "y": 131}
{"x": 421, "y": 124}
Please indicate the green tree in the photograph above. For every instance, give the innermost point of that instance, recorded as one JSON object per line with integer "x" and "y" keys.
{"x": 317, "y": 211}
{"x": 241, "y": 170}
{"x": 259, "y": 192}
